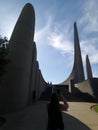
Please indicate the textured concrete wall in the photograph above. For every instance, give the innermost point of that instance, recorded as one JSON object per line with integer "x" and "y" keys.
{"x": 33, "y": 74}
{"x": 14, "y": 91}
{"x": 37, "y": 80}
{"x": 42, "y": 83}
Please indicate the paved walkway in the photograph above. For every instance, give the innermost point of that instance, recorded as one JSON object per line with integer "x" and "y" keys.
{"x": 78, "y": 117}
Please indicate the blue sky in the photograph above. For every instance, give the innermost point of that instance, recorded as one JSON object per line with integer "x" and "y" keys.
{"x": 54, "y": 32}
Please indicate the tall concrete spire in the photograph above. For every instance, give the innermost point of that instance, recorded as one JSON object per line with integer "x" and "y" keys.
{"x": 15, "y": 89}
{"x": 88, "y": 68}
{"x": 78, "y": 65}
{"x": 77, "y": 74}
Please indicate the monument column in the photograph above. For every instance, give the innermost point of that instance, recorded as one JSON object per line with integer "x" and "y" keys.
{"x": 88, "y": 68}
{"x": 15, "y": 86}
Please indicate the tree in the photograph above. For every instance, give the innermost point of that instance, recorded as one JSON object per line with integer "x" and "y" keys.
{"x": 3, "y": 54}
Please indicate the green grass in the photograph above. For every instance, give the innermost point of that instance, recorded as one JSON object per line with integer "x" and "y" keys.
{"x": 95, "y": 107}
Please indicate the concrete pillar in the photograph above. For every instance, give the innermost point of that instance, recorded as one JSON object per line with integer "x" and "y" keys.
{"x": 88, "y": 68}
{"x": 78, "y": 64}
{"x": 71, "y": 86}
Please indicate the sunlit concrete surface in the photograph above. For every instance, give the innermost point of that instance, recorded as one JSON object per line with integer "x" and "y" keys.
{"x": 84, "y": 116}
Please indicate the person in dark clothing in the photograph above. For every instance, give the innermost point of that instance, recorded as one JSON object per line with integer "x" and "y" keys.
{"x": 34, "y": 95}
{"x": 55, "y": 120}
{"x": 61, "y": 98}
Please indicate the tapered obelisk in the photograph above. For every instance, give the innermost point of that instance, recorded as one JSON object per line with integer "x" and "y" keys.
{"x": 77, "y": 74}
{"x": 15, "y": 89}
{"x": 88, "y": 68}
{"x": 78, "y": 65}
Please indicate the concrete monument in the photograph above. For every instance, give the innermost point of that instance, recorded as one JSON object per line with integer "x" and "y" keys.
{"x": 15, "y": 87}
{"x": 23, "y": 75}
{"x": 77, "y": 74}
{"x": 76, "y": 82}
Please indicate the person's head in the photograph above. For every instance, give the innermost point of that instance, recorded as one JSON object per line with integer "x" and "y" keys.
{"x": 54, "y": 99}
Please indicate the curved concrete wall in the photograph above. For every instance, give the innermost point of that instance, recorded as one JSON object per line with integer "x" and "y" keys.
{"x": 32, "y": 77}
{"x": 33, "y": 74}
{"x": 42, "y": 83}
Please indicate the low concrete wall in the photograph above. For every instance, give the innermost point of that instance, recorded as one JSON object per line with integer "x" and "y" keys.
{"x": 89, "y": 86}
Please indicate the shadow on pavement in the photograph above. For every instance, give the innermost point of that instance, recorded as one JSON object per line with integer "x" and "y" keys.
{"x": 35, "y": 118}
{"x": 72, "y": 123}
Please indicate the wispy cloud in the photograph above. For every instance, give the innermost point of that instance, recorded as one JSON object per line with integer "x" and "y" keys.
{"x": 65, "y": 45}
{"x": 89, "y": 47}
{"x": 89, "y": 23}
{"x": 8, "y": 19}
{"x": 63, "y": 42}
{"x": 60, "y": 42}
{"x": 43, "y": 33}
{"x": 89, "y": 18}
{"x": 7, "y": 27}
